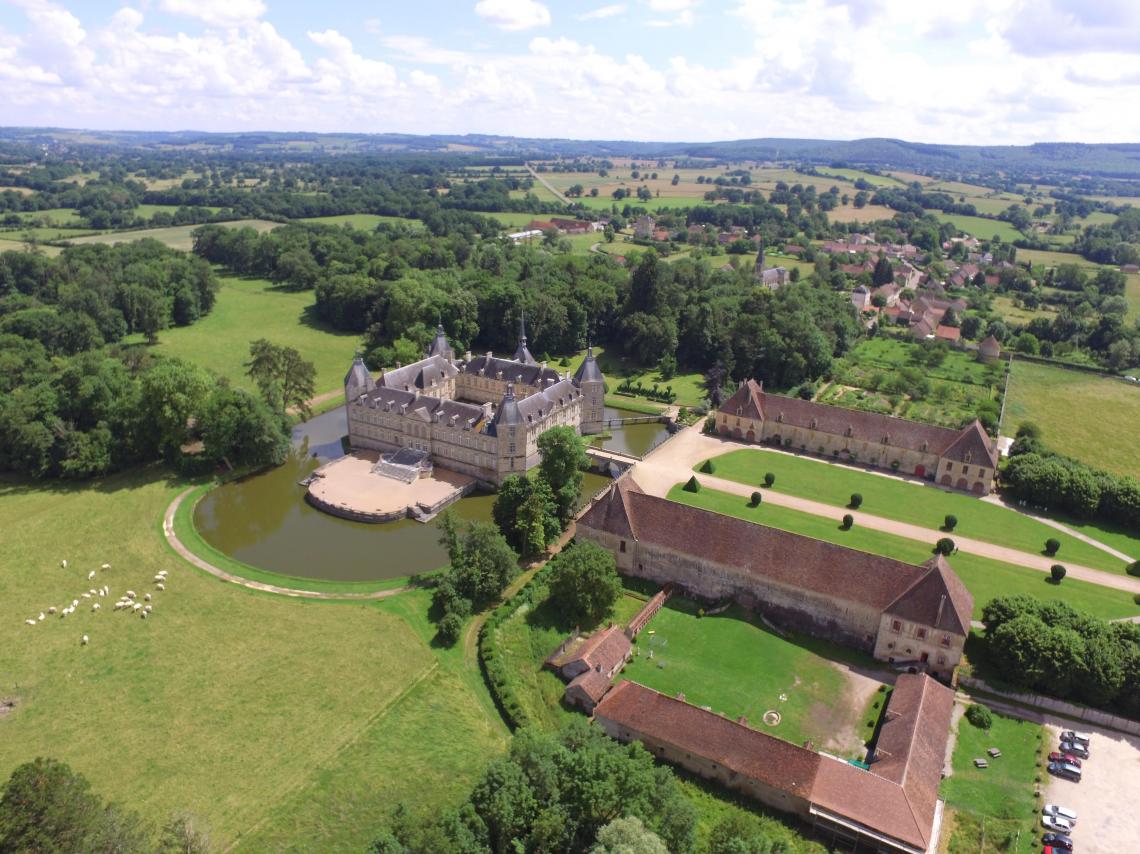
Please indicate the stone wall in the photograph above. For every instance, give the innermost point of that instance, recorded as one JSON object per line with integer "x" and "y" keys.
{"x": 905, "y": 644}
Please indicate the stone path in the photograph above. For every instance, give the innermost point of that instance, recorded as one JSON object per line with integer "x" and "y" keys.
{"x": 217, "y": 572}
{"x": 673, "y": 462}
{"x": 1063, "y": 528}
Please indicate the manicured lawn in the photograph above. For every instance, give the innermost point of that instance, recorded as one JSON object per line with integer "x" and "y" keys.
{"x": 985, "y": 578}
{"x": 247, "y": 309}
{"x": 1092, "y": 418}
{"x": 689, "y": 388}
{"x": 176, "y": 236}
{"x": 734, "y": 664}
{"x": 894, "y": 498}
{"x": 1001, "y": 793}
{"x": 226, "y": 703}
{"x": 368, "y": 222}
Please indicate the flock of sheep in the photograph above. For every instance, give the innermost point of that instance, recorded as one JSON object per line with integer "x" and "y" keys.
{"x": 128, "y": 602}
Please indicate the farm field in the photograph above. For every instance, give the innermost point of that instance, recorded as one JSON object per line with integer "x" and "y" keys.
{"x": 867, "y": 213}
{"x": 368, "y": 222}
{"x": 1002, "y": 794}
{"x": 9, "y": 242}
{"x": 1012, "y": 313}
{"x": 979, "y": 227}
{"x": 176, "y": 237}
{"x": 45, "y": 233}
{"x": 247, "y": 309}
{"x": 985, "y": 578}
{"x": 918, "y": 504}
{"x": 146, "y": 211}
{"x": 884, "y": 374}
{"x": 1060, "y": 401}
{"x": 856, "y": 174}
{"x": 734, "y": 664}
{"x": 1049, "y": 258}
{"x": 1132, "y": 293}
{"x": 53, "y": 216}
{"x": 278, "y": 698}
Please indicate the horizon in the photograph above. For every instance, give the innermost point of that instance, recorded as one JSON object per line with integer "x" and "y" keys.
{"x": 986, "y": 74}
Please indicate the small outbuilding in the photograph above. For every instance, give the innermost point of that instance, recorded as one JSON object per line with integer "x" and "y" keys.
{"x": 989, "y": 350}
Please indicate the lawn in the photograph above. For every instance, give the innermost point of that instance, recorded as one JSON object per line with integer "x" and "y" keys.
{"x": 867, "y": 213}
{"x": 979, "y": 227}
{"x": 365, "y": 221}
{"x": 984, "y": 578}
{"x": 255, "y": 308}
{"x": 735, "y": 665}
{"x": 1001, "y": 793}
{"x": 1060, "y": 401}
{"x": 689, "y": 388}
{"x": 918, "y": 504}
{"x": 176, "y": 236}
{"x": 245, "y": 709}
{"x": 1132, "y": 293}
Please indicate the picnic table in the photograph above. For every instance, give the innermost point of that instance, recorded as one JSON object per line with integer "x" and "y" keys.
{"x": 994, "y": 752}
{"x": 981, "y": 763}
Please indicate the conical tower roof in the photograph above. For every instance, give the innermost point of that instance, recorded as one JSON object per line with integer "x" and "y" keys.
{"x": 522, "y": 354}
{"x": 508, "y": 414}
{"x": 440, "y": 346}
{"x": 588, "y": 371}
{"x": 358, "y": 374}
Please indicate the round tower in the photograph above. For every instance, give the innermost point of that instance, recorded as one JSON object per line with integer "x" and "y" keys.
{"x": 592, "y": 384}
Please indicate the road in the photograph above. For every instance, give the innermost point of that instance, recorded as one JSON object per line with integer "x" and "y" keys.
{"x": 673, "y": 463}
{"x": 547, "y": 184}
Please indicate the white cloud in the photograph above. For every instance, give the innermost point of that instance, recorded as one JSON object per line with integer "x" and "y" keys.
{"x": 602, "y": 12}
{"x": 420, "y": 49}
{"x": 224, "y": 13}
{"x": 513, "y": 14}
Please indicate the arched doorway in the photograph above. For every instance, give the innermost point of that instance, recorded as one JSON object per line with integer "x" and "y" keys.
{"x": 750, "y": 435}
{"x": 976, "y": 488}
{"x": 961, "y": 484}
{"x": 736, "y": 433}
{"x": 946, "y": 480}
{"x": 920, "y": 471}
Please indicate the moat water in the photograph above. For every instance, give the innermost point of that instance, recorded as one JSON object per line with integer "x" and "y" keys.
{"x": 263, "y": 520}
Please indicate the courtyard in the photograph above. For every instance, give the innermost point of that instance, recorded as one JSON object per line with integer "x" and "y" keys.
{"x": 349, "y": 487}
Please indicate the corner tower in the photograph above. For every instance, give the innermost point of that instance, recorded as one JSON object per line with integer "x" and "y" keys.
{"x": 358, "y": 380}
{"x": 592, "y": 384}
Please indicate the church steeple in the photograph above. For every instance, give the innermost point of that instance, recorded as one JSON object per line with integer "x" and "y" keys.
{"x": 522, "y": 354}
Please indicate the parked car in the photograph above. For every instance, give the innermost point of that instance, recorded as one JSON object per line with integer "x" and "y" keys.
{"x": 1079, "y": 737}
{"x": 1065, "y": 770}
{"x": 1061, "y": 812}
{"x": 1075, "y": 748}
{"x": 1058, "y": 841}
{"x": 1064, "y": 757}
{"x": 1056, "y": 823}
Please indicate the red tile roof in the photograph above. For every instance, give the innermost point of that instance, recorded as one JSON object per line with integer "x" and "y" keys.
{"x": 938, "y": 598}
{"x": 948, "y": 333}
{"x": 592, "y": 685}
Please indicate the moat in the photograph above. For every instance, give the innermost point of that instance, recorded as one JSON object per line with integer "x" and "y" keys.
{"x": 263, "y": 520}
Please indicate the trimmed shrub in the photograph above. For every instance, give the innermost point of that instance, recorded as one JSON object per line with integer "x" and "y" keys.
{"x": 707, "y": 467}
{"x": 1052, "y": 546}
{"x": 950, "y": 522}
{"x": 945, "y": 546}
{"x": 1136, "y": 598}
{"x": 1057, "y": 572}
{"x": 848, "y": 521}
{"x": 1134, "y": 568}
{"x": 895, "y": 465}
{"x": 756, "y": 499}
{"x": 449, "y": 628}
{"x": 693, "y": 485}
{"x": 980, "y": 716}
{"x": 856, "y": 501}
{"x": 770, "y": 479}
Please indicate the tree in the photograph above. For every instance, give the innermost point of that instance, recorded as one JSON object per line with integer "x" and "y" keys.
{"x": 628, "y": 836}
{"x": 1057, "y": 573}
{"x": 856, "y": 501}
{"x": 182, "y": 835}
{"x": 45, "y": 806}
{"x": 883, "y": 273}
{"x": 481, "y": 565}
{"x": 239, "y": 430}
{"x": 285, "y": 379}
{"x": 756, "y": 499}
{"x": 1134, "y": 568}
{"x": 848, "y": 521}
{"x": 769, "y": 479}
{"x": 1052, "y": 546}
{"x": 945, "y": 547}
{"x": 564, "y": 459}
{"x": 584, "y": 582}
{"x": 527, "y": 514}
{"x": 980, "y": 716}
{"x": 950, "y": 522}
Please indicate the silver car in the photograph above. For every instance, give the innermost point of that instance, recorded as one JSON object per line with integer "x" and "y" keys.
{"x": 1060, "y": 812}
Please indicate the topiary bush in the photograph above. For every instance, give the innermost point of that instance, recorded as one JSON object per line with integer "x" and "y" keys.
{"x": 945, "y": 547}
{"x": 1136, "y": 598}
{"x": 770, "y": 479}
{"x": 980, "y": 716}
{"x": 856, "y": 501}
{"x": 756, "y": 499}
{"x": 693, "y": 485}
{"x": 708, "y": 467}
{"x": 1134, "y": 568}
{"x": 848, "y": 521}
{"x": 1052, "y": 546}
{"x": 1057, "y": 573}
{"x": 950, "y": 522}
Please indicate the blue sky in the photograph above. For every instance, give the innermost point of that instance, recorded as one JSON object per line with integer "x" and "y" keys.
{"x": 979, "y": 71}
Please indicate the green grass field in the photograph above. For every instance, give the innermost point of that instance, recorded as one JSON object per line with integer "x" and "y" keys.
{"x": 10, "y": 242}
{"x": 1061, "y": 401}
{"x": 257, "y": 714}
{"x": 689, "y": 388}
{"x": 979, "y": 227}
{"x": 368, "y": 222}
{"x": 1049, "y": 258}
{"x": 176, "y": 236}
{"x": 985, "y": 578}
{"x": 918, "y": 504}
{"x": 734, "y": 664}
{"x": 247, "y": 309}
{"x": 1003, "y": 792}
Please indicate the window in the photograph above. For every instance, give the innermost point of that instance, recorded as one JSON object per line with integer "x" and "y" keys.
{"x": 921, "y": 634}
{"x": 945, "y": 641}
{"x": 621, "y": 548}
{"x": 949, "y": 467}
{"x": 941, "y": 659}
{"x": 966, "y": 471}
{"x": 896, "y": 626}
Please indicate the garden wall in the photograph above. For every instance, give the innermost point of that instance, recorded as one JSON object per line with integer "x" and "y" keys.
{"x": 1052, "y": 704}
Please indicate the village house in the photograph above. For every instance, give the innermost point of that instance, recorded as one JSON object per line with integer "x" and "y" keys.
{"x": 590, "y": 664}
{"x": 965, "y": 459}
{"x": 891, "y": 806}
{"x": 643, "y": 227}
{"x": 861, "y": 298}
{"x": 897, "y": 612}
{"x": 989, "y": 350}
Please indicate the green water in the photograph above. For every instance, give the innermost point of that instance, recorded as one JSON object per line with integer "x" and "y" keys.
{"x": 263, "y": 520}
{"x": 636, "y": 439}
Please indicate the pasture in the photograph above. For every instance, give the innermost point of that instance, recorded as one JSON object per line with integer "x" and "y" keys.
{"x": 984, "y": 578}
{"x": 979, "y": 227}
{"x": 734, "y": 664}
{"x": 857, "y": 174}
{"x": 255, "y": 713}
{"x": 894, "y": 498}
{"x": 1060, "y": 401}
{"x": 867, "y": 213}
{"x": 247, "y": 309}
{"x": 176, "y": 237}
{"x": 364, "y": 221}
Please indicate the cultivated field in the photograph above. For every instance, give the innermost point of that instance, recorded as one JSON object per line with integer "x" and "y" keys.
{"x": 367, "y": 222}
{"x": 176, "y": 237}
{"x": 249, "y": 711}
{"x": 247, "y": 309}
{"x": 1092, "y": 418}
{"x": 979, "y": 227}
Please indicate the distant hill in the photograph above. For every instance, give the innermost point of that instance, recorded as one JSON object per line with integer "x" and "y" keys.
{"x": 1110, "y": 160}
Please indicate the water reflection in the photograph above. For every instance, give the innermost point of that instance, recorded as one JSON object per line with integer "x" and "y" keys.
{"x": 264, "y": 520}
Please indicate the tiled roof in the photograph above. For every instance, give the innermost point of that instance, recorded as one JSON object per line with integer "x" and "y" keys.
{"x": 746, "y": 401}
{"x": 591, "y": 683}
{"x": 733, "y": 746}
{"x": 422, "y": 374}
{"x": 973, "y": 445}
{"x": 509, "y": 370}
{"x": 938, "y": 598}
{"x": 990, "y": 346}
{"x": 610, "y": 513}
{"x": 948, "y": 333}
{"x": 605, "y": 649}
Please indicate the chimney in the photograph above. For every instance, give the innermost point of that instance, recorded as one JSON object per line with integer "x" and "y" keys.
{"x": 398, "y": 364}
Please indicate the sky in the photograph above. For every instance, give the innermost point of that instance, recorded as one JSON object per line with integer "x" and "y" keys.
{"x": 967, "y": 72}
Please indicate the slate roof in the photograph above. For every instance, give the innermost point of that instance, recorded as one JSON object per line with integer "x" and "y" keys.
{"x": 509, "y": 370}
{"x": 440, "y": 346}
{"x": 589, "y": 371}
{"x": 422, "y": 374}
{"x": 535, "y": 406}
{"x": 358, "y": 374}
{"x": 507, "y": 415}
{"x": 425, "y": 407}
{"x": 768, "y": 554}
{"x": 864, "y": 426}
{"x": 731, "y": 745}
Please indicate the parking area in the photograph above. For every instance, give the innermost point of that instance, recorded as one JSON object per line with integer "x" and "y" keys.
{"x": 1105, "y": 799}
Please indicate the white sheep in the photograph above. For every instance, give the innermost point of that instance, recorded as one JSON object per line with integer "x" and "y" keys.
{"x": 137, "y": 606}
{"x": 30, "y": 622}
{"x": 41, "y": 617}
{"x": 146, "y": 597}
{"x": 95, "y": 607}
{"x": 118, "y": 606}
{"x": 74, "y": 602}
{"x": 93, "y": 592}
{"x": 160, "y": 586}
{"x": 131, "y": 594}
{"x": 148, "y": 608}
{"x": 51, "y": 610}
{"x": 86, "y": 595}
{"x": 63, "y": 563}
{"x": 90, "y": 575}
{"x": 63, "y": 613}
{"x": 105, "y": 566}
{"x": 84, "y": 640}
{"x": 159, "y": 577}
{"x": 143, "y": 615}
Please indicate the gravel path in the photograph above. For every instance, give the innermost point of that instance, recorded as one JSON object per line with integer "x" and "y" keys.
{"x": 673, "y": 462}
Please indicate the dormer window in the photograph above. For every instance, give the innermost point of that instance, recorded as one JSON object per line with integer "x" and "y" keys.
{"x": 925, "y": 447}
{"x": 813, "y": 423}
{"x": 967, "y": 457}
{"x": 887, "y": 439}
{"x": 780, "y": 417}
{"x": 850, "y": 431}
